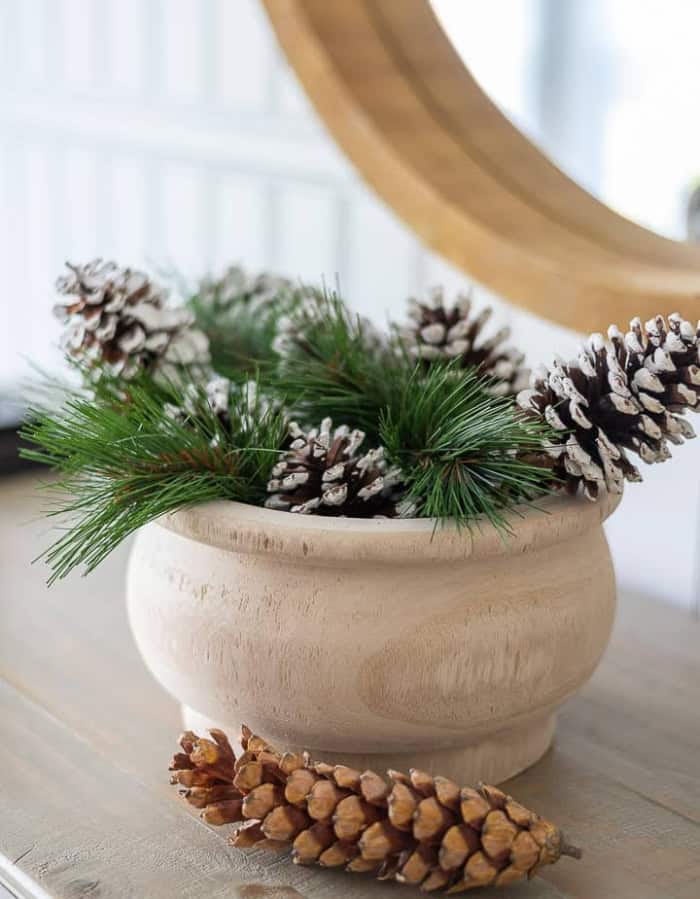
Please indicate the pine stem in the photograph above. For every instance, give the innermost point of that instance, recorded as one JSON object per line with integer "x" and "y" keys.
{"x": 567, "y": 849}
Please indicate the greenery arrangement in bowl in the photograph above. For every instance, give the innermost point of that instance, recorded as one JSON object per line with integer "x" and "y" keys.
{"x": 266, "y": 392}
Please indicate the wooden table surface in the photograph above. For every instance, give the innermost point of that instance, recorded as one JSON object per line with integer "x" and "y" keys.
{"x": 86, "y": 734}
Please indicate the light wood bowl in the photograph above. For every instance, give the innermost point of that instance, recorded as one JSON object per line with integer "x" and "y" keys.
{"x": 379, "y": 643}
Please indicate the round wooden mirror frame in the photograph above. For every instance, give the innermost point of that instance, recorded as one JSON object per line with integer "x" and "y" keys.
{"x": 400, "y": 102}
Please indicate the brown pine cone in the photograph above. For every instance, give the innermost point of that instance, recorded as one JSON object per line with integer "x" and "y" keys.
{"x": 619, "y": 396}
{"x": 117, "y": 317}
{"x": 440, "y": 332}
{"x": 322, "y": 474}
{"x": 416, "y": 829}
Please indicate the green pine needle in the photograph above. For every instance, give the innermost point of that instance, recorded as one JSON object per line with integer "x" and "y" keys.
{"x": 338, "y": 367}
{"x": 240, "y": 335}
{"x": 463, "y": 452}
{"x": 125, "y": 462}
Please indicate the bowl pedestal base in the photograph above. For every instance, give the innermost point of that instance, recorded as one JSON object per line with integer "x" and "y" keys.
{"x": 492, "y": 760}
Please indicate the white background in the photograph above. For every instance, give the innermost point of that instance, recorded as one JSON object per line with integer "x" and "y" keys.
{"x": 171, "y": 132}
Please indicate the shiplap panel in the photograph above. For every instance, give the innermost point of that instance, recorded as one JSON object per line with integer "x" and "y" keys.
{"x": 382, "y": 259}
{"x": 289, "y": 94}
{"x": 307, "y": 224}
{"x": 104, "y": 199}
{"x": 31, "y": 39}
{"x": 240, "y": 222}
{"x": 183, "y": 48}
{"x": 81, "y": 49}
{"x": 16, "y": 317}
{"x": 128, "y": 211}
{"x": 79, "y": 238}
{"x": 35, "y": 293}
{"x": 6, "y": 14}
{"x": 126, "y": 26}
{"x": 244, "y": 54}
{"x": 183, "y": 221}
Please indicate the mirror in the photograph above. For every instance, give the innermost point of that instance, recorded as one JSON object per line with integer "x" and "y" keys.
{"x": 406, "y": 109}
{"x": 608, "y": 89}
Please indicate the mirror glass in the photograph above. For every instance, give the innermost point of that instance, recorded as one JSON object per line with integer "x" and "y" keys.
{"x": 609, "y": 90}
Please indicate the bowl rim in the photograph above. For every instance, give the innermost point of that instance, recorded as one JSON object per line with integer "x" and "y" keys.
{"x": 241, "y": 528}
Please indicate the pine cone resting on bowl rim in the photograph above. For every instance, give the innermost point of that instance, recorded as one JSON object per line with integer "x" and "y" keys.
{"x": 323, "y": 474}
{"x": 626, "y": 394}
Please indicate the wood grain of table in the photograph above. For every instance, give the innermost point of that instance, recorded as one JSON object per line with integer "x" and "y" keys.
{"x": 86, "y": 734}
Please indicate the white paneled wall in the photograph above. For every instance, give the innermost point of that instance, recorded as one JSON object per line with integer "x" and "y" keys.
{"x": 172, "y": 133}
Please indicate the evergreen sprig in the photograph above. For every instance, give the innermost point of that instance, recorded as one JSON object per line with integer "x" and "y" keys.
{"x": 124, "y": 461}
{"x": 241, "y": 331}
{"x": 337, "y": 366}
{"x": 125, "y": 456}
{"x": 463, "y": 452}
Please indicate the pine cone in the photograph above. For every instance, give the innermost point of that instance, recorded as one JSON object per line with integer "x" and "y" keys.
{"x": 217, "y": 393}
{"x": 322, "y": 474}
{"x": 230, "y": 402}
{"x": 442, "y": 333}
{"x": 618, "y": 396}
{"x": 118, "y": 317}
{"x": 236, "y": 285}
{"x": 416, "y": 829}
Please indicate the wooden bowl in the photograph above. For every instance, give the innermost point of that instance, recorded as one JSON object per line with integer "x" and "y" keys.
{"x": 379, "y": 643}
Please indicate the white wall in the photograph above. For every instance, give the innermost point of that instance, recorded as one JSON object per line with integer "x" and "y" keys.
{"x": 172, "y": 132}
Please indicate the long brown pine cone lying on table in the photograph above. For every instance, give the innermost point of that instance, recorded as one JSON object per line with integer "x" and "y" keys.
{"x": 417, "y": 828}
